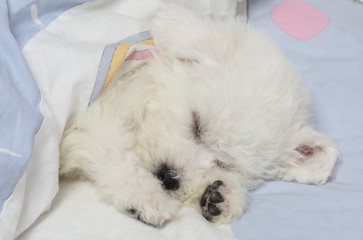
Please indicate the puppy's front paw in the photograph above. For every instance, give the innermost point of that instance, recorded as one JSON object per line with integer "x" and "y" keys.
{"x": 211, "y": 200}
{"x": 155, "y": 215}
{"x": 222, "y": 203}
{"x": 155, "y": 221}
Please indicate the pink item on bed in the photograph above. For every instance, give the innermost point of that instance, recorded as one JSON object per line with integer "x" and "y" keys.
{"x": 138, "y": 55}
{"x": 299, "y": 19}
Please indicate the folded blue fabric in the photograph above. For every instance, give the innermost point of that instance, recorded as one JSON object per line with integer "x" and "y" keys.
{"x": 20, "y": 116}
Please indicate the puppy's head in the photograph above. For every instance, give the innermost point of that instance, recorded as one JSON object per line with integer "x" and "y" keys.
{"x": 222, "y": 90}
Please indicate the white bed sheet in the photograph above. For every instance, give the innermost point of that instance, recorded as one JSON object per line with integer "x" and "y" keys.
{"x": 77, "y": 214}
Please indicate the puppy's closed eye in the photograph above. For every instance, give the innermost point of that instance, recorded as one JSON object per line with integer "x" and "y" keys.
{"x": 196, "y": 127}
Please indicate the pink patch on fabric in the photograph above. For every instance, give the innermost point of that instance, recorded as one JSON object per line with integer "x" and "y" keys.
{"x": 137, "y": 55}
{"x": 299, "y": 19}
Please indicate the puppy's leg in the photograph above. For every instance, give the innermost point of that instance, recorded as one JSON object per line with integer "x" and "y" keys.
{"x": 137, "y": 192}
{"x": 311, "y": 161}
{"x": 120, "y": 177}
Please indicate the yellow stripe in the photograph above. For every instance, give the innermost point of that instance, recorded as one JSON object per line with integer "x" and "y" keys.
{"x": 118, "y": 57}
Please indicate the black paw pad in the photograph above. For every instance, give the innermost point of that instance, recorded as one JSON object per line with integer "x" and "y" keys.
{"x": 210, "y": 199}
{"x": 216, "y": 197}
{"x": 169, "y": 177}
{"x": 137, "y": 215}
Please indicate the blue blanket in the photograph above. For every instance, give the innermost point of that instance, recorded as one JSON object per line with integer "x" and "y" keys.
{"x": 20, "y": 113}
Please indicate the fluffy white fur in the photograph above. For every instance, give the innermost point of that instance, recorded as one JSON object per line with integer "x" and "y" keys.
{"x": 217, "y": 102}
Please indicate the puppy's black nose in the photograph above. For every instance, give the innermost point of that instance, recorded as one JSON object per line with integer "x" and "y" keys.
{"x": 168, "y": 176}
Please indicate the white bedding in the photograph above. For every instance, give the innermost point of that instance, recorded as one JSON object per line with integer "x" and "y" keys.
{"x": 77, "y": 214}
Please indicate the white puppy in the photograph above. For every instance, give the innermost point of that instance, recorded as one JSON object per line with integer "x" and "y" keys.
{"x": 215, "y": 112}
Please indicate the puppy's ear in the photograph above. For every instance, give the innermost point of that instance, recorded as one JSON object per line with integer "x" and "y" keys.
{"x": 316, "y": 158}
{"x": 185, "y": 33}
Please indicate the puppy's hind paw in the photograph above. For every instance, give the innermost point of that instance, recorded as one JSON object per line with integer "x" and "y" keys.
{"x": 210, "y": 201}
